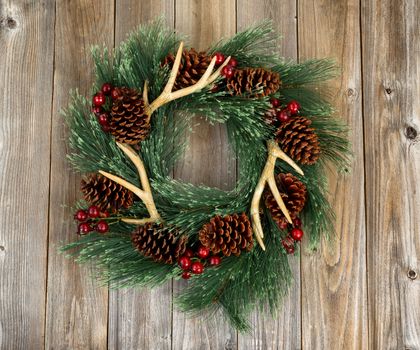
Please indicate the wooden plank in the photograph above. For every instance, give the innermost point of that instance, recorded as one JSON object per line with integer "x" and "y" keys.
{"x": 140, "y": 319}
{"x": 207, "y": 161}
{"x": 283, "y": 332}
{"x": 27, "y": 47}
{"x": 77, "y": 311}
{"x": 334, "y": 294}
{"x": 391, "y": 74}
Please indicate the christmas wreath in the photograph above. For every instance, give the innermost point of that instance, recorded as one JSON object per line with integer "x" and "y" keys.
{"x": 141, "y": 227}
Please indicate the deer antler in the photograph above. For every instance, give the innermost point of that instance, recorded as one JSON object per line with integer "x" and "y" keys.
{"x": 167, "y": 95}
{"x": 267, "y": 176}
{"x": 144, "y": 194}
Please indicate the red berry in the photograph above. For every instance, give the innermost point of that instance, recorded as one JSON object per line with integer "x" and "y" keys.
{"x": 115, "y": 93}
{"x": 103, "y": 119}
{"x": 102, "y": 226}
{"x": 93, "y": 211}
{"x": 106, "y": 128}
{"x": 104, "y": 214}
{"x": 233, "y": 62}
{"x": 215, "y": 260}
{"x": 290, "y": 250}
{"x": 84, "y": 228}
{"x": 287, "y": 242}
{"x": 275, "y": 102}
{"x": 186, "y": 275}
{"x": 99, "y": 99}
{"x": 220, "y": 58}
{"x": 188, "y": 252}
{"x": 203, "y": 252}
{"x": 297, "y": 222}
{"x": 96, "y": 110}
{"x": 184, "y": 262}
{"x": 228, "y": 71}
{"x": 296, "y": 234}
{"x": 81, "y": 215}
{"x": 293, "y": 107}
{"x": 106, "y": 88}
{"x": 197, "y": 267}
{"x": 283, "y": 116}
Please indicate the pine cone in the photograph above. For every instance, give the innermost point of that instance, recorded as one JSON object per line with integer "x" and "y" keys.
{"x": 105, "y": 193}
{"x": 229, "y": 234}
{"x": 293, "y": 193}
{"x": 128, "y": 121}
{"x": 298, "y": 140}
{"x": 159, "y": 243}
{"x": 192, "y": 67}
{"x": 249, "y": 80}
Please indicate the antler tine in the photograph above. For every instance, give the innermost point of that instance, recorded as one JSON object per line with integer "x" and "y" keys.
{"x": 167, "y": 95}
{"x": 267, "y": 177}
{"x": 172, "y": 77}
{"x": 276, "y": 151}
{"x": 144, "y": 194}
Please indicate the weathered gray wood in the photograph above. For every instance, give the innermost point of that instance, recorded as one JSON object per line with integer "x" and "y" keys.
{"x": 283, "y": 332}
{"x": 140, "y": 319}
{"x": 77, "y": 308}
{"x": 334, "y": 294}
{"x": 391, "y": 75}
{"x": 207, "y": 161}
{"x": 27, "y": 49}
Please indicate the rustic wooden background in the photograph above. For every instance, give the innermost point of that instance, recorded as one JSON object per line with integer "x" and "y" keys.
{"x": 360, "y": 293}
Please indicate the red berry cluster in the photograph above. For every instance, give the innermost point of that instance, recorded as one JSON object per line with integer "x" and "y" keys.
{"x": 99, "y": 100}
{"x": 190, "y": 262}
{"x": 285, "y": 112}
{"x": 229, "y": 69}
{"x": 295, "y": 235}
{"x": 90, "y": 220}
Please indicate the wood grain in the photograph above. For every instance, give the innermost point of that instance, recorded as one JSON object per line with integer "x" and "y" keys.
{"x": 140, "y": 319}
{"x": 361, "y": 292}
{"x": 26, "y": 31}
{"x": 334, "y": 293}
{"x": 391, "y": 72}
{"x": 207, "y": 161}
{"x": 282, "y": 332}
{"x": 77, "y": 308}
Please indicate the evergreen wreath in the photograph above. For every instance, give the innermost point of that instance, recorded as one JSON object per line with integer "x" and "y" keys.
{"x": 141, "y": 227}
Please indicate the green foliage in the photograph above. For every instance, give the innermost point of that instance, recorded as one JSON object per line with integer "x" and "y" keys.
{"x": 253, "y": 47}
{"x": 255, "y": 279}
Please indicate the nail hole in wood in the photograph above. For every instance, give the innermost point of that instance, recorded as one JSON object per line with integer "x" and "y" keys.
{"x": 410, "y": 132}
{"x": 388, "y": 91}
{"x": 1, "y": 248}
{"x": 412, "y": 274}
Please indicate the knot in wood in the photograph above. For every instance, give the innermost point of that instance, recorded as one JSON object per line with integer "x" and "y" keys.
{"x": 410, "y": 133}
{"x": 8, "y": 22}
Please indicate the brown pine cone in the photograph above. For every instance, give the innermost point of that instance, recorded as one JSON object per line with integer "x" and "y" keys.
{"x": 299, "y": 140}
{"x": 249, "y": 80}
{"x": 128, "y": 120}
{"x": 159, "y": 243}
{"x": 229, "y": 234}
{"x": 105, "y": 193}
{"x": 192, "y": 67}
{"x": 292, "y": 191}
